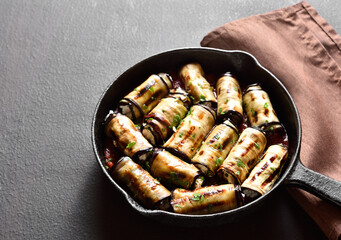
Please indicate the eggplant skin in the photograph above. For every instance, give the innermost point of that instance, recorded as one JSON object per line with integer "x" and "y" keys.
{"x": 243, "y": 156}
{"x": 126, "y": 136}
{"x": 206, "y": 200}
{"x": 258, "y": 106}
{"x": 193, "y": 76}
{"x": 141, "y": 184}
{"x": 191, "y": 131}
{"x": 265, "y": 173}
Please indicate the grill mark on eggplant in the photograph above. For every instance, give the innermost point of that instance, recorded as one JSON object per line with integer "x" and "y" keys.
{"x": 263, "y": 168}
{"x": 248, "y": 149}
{"x": 208, "y": 109}
{"x": 164, "y": 81}
{"x": 271, "y": 177}
{"x": 233, "y": 115}
{"x": 156, "y": 95}
{"x": 233, "y": 128}
{"x": 144, "y": 90}
{"x": 266, "y": 112}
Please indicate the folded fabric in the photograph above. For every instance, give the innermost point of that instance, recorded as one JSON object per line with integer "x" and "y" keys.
{"x": 299, "y": 47}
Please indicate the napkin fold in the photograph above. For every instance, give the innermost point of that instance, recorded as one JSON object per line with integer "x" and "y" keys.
{"x": 299, "y": 47}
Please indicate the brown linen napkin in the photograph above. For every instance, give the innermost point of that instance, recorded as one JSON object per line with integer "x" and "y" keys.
{"x": 304, "y": 52}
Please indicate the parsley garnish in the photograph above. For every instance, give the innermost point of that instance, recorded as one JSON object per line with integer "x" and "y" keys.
{"x": 253, "y": 112}
{"x": 202, "y": 98}
{"x": 193, "y": 136}
{"x": 145, "y": 106}
{"x": 151, "y": 89}
{"x": 219, "y": 111}
{"x": 238, "y": 173}
{"x": 163, "y": 110}
{"x": 219, "y": 160}
{"x": 266, "y": 105}
{"x": 181, "y": 134}
{"x": 226, "y": 100}
{"x": 273, "y": 169}
{"x": 240, "y": 163}
{"x": 257, "y": 146}
{"x": 130, "y": 145}
{"x": 196, "y": 197}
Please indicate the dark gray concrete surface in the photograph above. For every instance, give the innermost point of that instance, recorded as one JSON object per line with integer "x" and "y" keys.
{"x": 56, "y": 58}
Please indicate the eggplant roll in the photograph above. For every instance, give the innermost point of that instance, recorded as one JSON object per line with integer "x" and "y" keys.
{"x": 258, "y": 107}
{"x": 265, "y": 173}
{"x": 146, "y": 96}
{"x": 216, "y": 147}
{"x": 142, "y": 185}
{"x": 158, "y": 124}
{"x": 194, "y": 78}
{"x": 173, "y": 171}
{"x": 243, "y": 156}
{"x": 127, "y": 138}
{"x": 191, "y": 132}
{"x": 230, "y": 104}
{"x": 205, "y": 200}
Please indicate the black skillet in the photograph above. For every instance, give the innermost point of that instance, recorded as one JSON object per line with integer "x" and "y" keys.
{"x": 249, "y": 71}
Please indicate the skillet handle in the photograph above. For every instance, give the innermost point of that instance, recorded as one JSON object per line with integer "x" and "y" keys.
{"x": 324, "y": 187}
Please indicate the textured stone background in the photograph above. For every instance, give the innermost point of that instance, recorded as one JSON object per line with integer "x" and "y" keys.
{"x": 56, "y": 58}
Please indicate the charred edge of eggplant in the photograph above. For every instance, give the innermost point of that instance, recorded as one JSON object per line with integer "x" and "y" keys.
{"x": 138, "y": 154}
{"x": 163, "y": 204}
{"x": 234, "y": 127}
{"x": 154, "y": 130}
{"x": 265, "y": 126}
{"x": 132, "y": 102}
{"x": 124, "y": 102}
{"x": 227, "y": 74}
{"x": 252, "y": 85}
{"x": 163, "y": 121}
{"x": 235, "y": 117}
{"x": 119, "y": 162}
{"x": 250, "y": 195}
{"x": 208, "y": 103}
{"x": 188, "y": 101}
{"x": 208, "y": 173}
{"x": 209, "y": 109}
{"x": 164, "y": 81}
{"x": 223, "y": 171}
{"x": 110, "y": 116}
{"x": 259, "y": 129}
{"x": 156, "y": 152}
{"x": 239, "y": 196}
{"x": 178, "y": 154}
{"x": 199, "y": 174}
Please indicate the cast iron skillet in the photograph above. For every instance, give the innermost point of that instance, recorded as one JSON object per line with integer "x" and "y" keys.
{"x": 249, "y": 71}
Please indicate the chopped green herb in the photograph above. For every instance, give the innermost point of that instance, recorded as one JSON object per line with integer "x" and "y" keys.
{"x": 199, "y": 127}
{"x": 217, "y": 136}
{"x": 163, "y": 110}
{"x": 219, "y": 111}
{"x": 271, "y": 128}
{"x": 253, "y": 112}
{"x": 215, "y": 145}
{"x": 177, "y": 205}
{"x": 150, "y": 119}
{"x": 238, "y": 173}
{"x": 202, "y": 178}
{"x": 240, "y": 163}
{"x": 193, "y": 136}
{"x": 219, "y": 160}
{"x": 191, "y": 97}
{"x": 181, "y": 134}
{"x": 220, "y": 147}
{"x": 147, "y": 165}
{"x": 135, "y": 89}
{"x": 266, "y": 121}
{"x": 109, "y": 160}
{"x": 257, "y": 146}
{"x": 130, "y": 145}
{"x": 107, "y": 167}
{"x": 273, "y": 169}
{"x": 236, "y": 89}
{"x": 246, "y": 105}
{"x": 189, "y": 83}
{"x": 189, "y": 121}
{"x": 196, "y": 197}
{"x": 202, "y": 198}
{"x": 145, "y": 106}
{"x": 266, "y": 105}
{"x": 163, "y": 129}
{"x": 151, "y": 89}
{"x": 153, "y": 98}
{"x": 138, "y": 126}
{"x": 202, "y": 98}
{"x": 192, "y": 149}
{"x": 226, "y": 100}
{"x": 176, "y": 120}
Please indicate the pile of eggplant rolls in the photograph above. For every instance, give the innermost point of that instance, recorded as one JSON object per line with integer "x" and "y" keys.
{"x": 192, "y": 144}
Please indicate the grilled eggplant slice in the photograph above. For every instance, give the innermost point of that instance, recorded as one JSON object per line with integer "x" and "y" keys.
{"x": 243, "y": 156}
{"x": 159, "y": 123}
{"x": 174, "y": 172}
{"x": 191, "y": 132}
{"x": 196, "y": 84}
{"x": 127, "y": 138}
{"x": 230, "y": 104}
{"x": 265, "y": 173}
{"x": 146, "y": 96}
{"x": 141, "y": 184}
{"x": 258, "y": 107}
{"x": 205, "y": 200}
{"x": 216, "y": 147}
